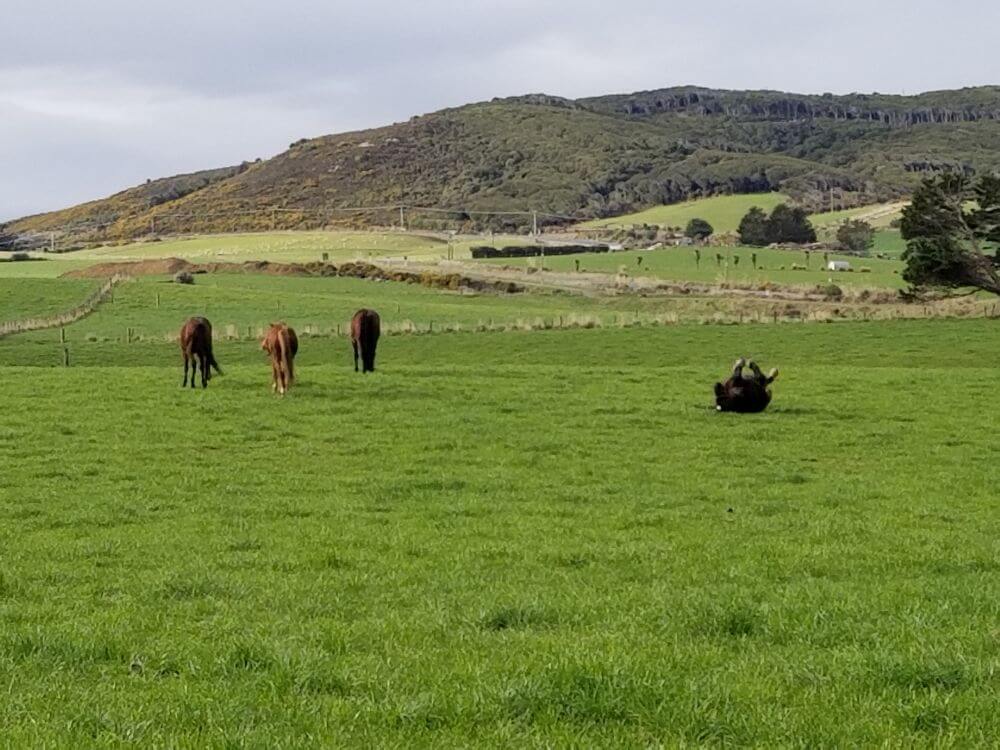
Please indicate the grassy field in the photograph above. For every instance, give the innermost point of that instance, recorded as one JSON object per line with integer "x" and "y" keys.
{"x": 682, "y": 264}
{"x": 879, "y": 215}
{"x": 235, "y": 302}
{"x": 31, "y": 297}
{"x": 723, "y": 212}
{"x": 278, "y": 247}
{"x": 518, "y": 539}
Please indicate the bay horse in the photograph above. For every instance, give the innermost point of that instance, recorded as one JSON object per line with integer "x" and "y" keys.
{"x": 282, "y": 344}
{"x": 365, "y": 329}
{"x": 196, "y": 348}
{"x": 745, "y": 395}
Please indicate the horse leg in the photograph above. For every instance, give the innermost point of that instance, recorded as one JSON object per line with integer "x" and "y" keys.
{"x": 354, "y": 344}
{"x": 184, "y": 384}
{"x": 771, "y": 376}
{"x": 757, "y": 374}
{"x": 204, "y": 371}
{"x": 738, "y": 366}
{"x": 274, "y": 375}
{"x": 194, "y": 369}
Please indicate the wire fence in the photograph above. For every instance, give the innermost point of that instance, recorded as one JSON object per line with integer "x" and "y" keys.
{"x": 79, "y": 312}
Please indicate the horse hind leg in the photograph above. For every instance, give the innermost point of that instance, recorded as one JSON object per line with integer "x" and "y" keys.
{"x": 204, "y": 372}
{"x": 772, "y": 375}
{"x": 738, "y": 366}
{"x": 354, "y": 344}
{"x": 185, "y": 381}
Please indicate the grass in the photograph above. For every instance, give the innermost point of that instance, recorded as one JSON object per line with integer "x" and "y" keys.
{"x": 31, "y": 297}
{"x": 681, "y": 264}
{"x": 278, "y": 247}
{"x": 519, "y": 539}
{"x": 236, "y": 302}
{"x": 879, "y": 215}
{"x": 723, "y": 212}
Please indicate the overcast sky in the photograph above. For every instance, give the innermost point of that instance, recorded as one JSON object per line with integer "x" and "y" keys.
{"x": 98, "y": 95}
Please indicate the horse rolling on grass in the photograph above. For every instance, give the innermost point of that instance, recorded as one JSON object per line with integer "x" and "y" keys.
{"x": 745, "y": 395}
{"x": 282, "y": 344}
{"x": 196, "y": 347}
{"x": 365, "y": 328}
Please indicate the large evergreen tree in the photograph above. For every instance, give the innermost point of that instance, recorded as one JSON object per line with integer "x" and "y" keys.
{"x": 950, "y": 227}
{"x": 753, "y": 228}
{"x": 790, "y": 224}
{"x": 856, "y": 236}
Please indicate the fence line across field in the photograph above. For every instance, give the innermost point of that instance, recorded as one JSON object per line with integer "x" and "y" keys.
{"x": 79, "y": 312}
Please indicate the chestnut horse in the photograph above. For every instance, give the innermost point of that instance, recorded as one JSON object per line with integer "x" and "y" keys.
{"x": 196, "y": 347}
{"x": 282, "y": 344}
{"x": 745, "y": 394}
{"x": 365, "y": 328}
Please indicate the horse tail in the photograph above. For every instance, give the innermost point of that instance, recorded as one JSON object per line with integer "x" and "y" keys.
{"x": 286, "y": 358}
{"x": 211, "y": 359}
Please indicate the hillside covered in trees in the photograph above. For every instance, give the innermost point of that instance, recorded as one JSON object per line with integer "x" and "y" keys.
{"x": 585, "y": 158}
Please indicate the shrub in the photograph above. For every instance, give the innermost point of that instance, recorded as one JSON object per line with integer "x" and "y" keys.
{"x": 830, "y": 291}
{"x": 698, "y": 229}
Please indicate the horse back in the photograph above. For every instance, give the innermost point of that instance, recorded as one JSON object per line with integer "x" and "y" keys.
{"x": 365, "y": 325}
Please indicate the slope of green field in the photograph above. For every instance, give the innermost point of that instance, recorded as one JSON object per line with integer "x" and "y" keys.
{"x": 879, "y": 216}
{"x": 284, "y": 247}
{"x": 723, "y": 212}
{"x": 277, "y": 247}
{"x": 154, "y": 307}
{"x": 683, "y": 264}
{"x": 33, "y": 297}
{"x": 521, "y": 539}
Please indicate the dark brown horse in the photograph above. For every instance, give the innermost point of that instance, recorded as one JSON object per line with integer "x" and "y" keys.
{"x": 282, "y": 344}
{"x": 196, "y": 347}
{"x": 742, "y": 394}
{"x": 365, "y": 328}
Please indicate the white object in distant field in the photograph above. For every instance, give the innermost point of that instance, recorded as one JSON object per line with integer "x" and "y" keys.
{"x": 838, "y": 265}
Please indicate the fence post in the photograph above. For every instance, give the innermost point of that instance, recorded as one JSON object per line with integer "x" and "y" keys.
{"x": 65, "y": 356}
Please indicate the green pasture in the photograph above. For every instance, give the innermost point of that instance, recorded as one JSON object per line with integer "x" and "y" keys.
{"x": 723, "y": 212}
{"x": 683, "y": 264}
{"x": 32, "y": 297}
{"x": 879, "y": 215}
{"x": 277, "y": 247}
{"x": 522, "y": 539}
{"x": 240, "y": 304}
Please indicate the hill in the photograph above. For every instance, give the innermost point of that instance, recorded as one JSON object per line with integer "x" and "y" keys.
{"x": 587, "y": 158}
